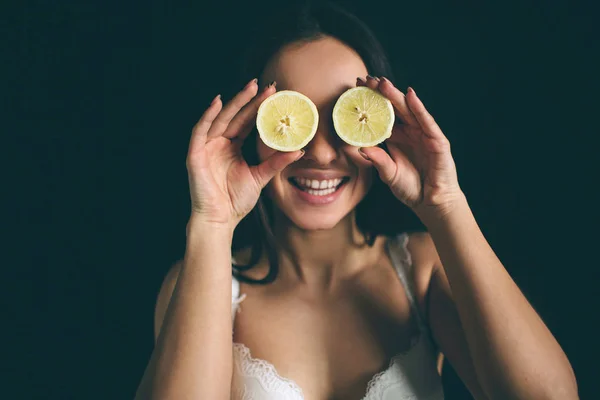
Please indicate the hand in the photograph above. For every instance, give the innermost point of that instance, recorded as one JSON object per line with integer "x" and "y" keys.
{"x": 223, "y": 187}
{"x": 419, "y": 168}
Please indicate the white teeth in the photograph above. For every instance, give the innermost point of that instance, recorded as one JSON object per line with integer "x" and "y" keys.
{"x": 320, "y": 192}
{"x": 318, "y": 185}
{"x": 333, "y": 183}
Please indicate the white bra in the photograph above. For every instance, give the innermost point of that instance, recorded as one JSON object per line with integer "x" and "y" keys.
{"x": 411, "y": 375}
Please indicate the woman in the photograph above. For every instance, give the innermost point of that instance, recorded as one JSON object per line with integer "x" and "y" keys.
{"x": 336, "y": 306}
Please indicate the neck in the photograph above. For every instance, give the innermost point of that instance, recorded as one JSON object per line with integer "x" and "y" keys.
{"x": 320, "y": 259}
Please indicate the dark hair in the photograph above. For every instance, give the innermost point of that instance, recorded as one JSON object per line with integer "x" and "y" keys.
{"x": 379, "y": 213}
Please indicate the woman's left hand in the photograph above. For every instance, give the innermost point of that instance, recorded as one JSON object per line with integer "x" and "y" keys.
{"x": 419, "y": 168}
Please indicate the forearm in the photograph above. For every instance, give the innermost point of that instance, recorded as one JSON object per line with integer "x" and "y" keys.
{"x": 514, "y": 354}
{"x": 193, "y": 353}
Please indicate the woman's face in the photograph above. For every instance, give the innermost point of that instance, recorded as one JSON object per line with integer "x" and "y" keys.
{"x": 338, "y": 176}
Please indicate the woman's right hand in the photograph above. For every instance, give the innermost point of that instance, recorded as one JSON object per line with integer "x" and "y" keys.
{"x": 223, "y": 187}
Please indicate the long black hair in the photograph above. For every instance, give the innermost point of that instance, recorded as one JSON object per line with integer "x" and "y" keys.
{"x": 379, "y": 213}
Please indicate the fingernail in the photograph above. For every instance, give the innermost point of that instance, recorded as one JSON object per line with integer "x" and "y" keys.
{"x": 361, "y": 80}
{"x": 383, "y": 78}
{"x": 363, "y": 154}
{"x": 251, "y": 83}
{"x": 373, "y": 77}
{"x": 215, "y": 99}
{"x": 273, "y": 83}
{"x": 301, "y": 155}
{"x": 411, "y": 90}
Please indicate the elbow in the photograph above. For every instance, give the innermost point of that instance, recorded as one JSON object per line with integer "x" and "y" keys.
{"x": 563, "y": 386}
{"x": 558, "y": 389}
{"x": 566, "y": 389}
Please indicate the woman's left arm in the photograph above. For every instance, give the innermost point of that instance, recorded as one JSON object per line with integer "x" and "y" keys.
{"x": 513, "y": 353}
{"x": 510, "y": 349}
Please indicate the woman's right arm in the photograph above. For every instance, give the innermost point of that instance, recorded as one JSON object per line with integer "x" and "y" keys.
{"x": 192, "y": 358}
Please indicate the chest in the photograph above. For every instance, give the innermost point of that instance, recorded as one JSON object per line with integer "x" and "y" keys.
{"x": 333, "y": 347}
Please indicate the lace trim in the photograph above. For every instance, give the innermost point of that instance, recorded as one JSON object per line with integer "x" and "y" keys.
{"x": 265, "y": 373}
{"x": 378, "y": 382}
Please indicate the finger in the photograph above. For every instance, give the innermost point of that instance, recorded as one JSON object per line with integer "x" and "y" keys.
{"x": 425, "y": 120}
{"x": 232, "y": 108}
{"x": 241, "y": 125}
{"x": 398, "y": 100}
{"x": 200, "y": 130}
{"x": 266, "y": 170}
{"x": 361, "y": 82}
{"x": 372, "y": 82}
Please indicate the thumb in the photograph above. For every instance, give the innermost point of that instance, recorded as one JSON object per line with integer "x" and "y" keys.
{"x": 266, "y": 170}
{"x": 381, "y": 160}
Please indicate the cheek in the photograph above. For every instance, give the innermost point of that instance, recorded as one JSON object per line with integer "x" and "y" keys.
{"x": 366, "y": 178}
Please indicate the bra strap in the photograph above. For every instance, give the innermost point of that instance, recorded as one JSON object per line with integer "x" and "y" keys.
{"x": 402, "y": 262}
{"x": 236, "y": 299}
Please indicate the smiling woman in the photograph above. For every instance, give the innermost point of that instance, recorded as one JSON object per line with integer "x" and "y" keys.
{"x": 339, "y": 299}
{"x": 344, "y": 48}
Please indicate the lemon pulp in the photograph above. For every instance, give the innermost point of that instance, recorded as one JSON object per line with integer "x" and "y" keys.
{"x": 363, "y": 117}
{"x": 287, "y": 120}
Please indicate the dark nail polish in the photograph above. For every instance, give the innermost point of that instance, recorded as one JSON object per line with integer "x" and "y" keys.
{"x": 273, "y": 83}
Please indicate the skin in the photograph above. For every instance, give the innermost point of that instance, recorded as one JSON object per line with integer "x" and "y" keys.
{"x": 333, "y": 292}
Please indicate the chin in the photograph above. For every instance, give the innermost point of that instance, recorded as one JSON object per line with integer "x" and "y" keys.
{"x": 314, "y": 222}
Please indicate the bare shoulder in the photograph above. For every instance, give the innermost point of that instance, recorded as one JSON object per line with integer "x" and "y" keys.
{"x": 424, "y": 256}
{"x": 164, "y": 296}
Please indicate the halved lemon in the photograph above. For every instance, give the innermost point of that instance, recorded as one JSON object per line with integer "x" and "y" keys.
{"x": 363, "y": 117}
{"x": 287, "y": 120}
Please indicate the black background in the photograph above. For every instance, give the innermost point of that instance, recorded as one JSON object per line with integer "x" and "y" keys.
{"x": 100, "y": 99}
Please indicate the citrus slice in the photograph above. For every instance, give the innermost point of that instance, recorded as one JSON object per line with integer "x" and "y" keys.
{"x": 363, "y": 117}
{"x": 287, "y": 120}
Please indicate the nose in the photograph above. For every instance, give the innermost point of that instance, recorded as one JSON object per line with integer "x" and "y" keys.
{"x": 323, "y": 148}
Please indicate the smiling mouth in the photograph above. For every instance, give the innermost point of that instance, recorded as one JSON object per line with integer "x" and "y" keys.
{"x": 318, "y": 188}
